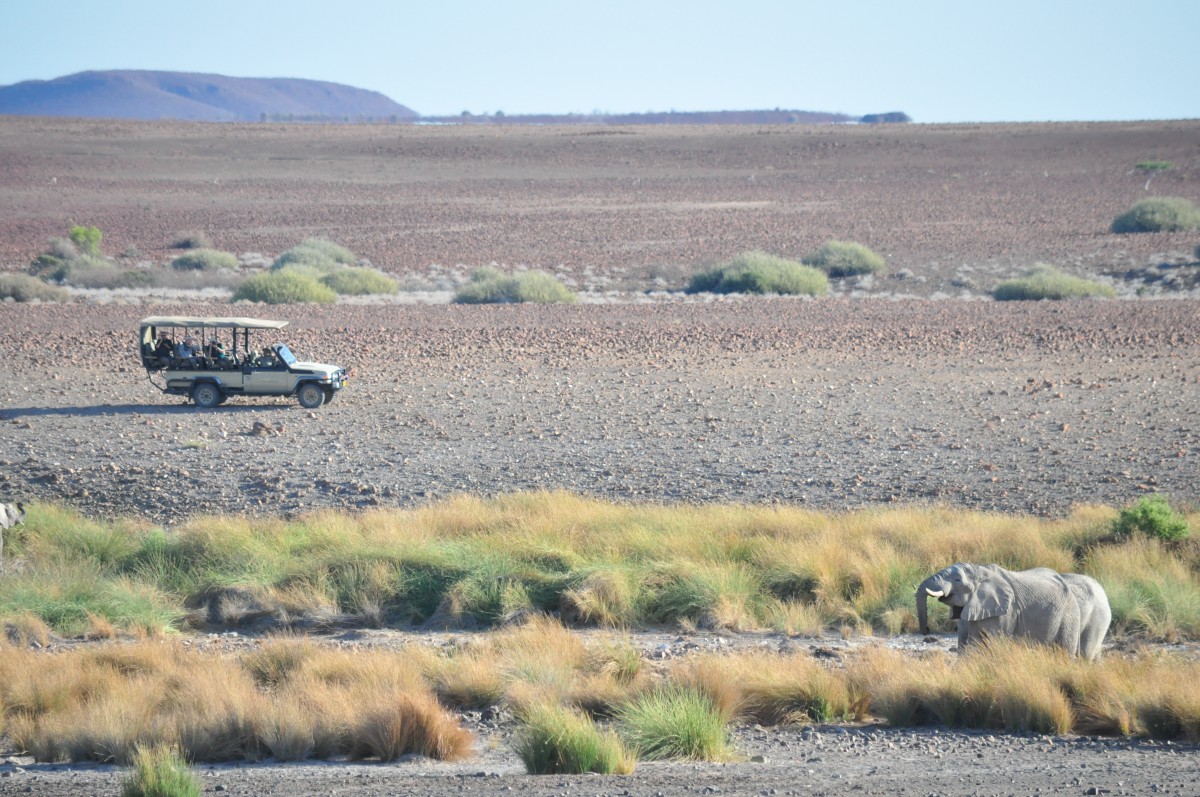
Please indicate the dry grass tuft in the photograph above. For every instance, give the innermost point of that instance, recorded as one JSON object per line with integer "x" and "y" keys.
{"x": 411, "y": 722}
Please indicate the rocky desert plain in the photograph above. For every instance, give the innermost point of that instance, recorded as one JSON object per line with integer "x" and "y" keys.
{"x": 912, "y": 387}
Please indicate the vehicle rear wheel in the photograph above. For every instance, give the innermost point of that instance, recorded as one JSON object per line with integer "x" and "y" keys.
{"x": 207, "y": 395}
{"x": 310, "y": 395}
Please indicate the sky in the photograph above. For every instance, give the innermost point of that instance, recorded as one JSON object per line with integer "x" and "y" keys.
{"x": 954, "y": 61}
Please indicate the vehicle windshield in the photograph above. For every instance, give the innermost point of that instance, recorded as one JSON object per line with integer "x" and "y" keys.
{"x": 285, "y": 354}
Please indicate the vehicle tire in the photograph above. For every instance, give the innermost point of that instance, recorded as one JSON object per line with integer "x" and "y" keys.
{"x": 207, "y": 395}
{"x": 311, "y": 395}
{"x": 329, "y": 394}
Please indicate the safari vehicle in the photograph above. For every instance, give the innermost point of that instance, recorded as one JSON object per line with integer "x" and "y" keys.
{"x": 224, "y": 363}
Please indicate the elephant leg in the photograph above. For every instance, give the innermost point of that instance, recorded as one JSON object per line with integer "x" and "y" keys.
{"x": 964, "y": 634}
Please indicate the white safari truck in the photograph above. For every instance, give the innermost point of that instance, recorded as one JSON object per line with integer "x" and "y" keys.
{"x": 211, "y": 359}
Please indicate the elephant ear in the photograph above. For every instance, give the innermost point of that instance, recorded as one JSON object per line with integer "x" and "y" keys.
{"x": 991, "y": 598}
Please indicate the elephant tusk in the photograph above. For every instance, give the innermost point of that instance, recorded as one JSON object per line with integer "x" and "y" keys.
{"x": 934, "y": 593}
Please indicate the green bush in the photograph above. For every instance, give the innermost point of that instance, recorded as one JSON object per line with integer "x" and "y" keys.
{"x": 24, "y": 288}
{"x": 759, "y": 272}
{"x": 317, "y": 254}
{"x": 205, "y": 260}
{"x": 1159, "y": 214}
{"x": 87, "y": 239}
{"x": 359, "y": 281}
{"x": 558, "y": 740}
{"x": 1047, "y": 282}
{"x": 674, "y": 722}
{"x": 1152, "y": 516}
{"x": 159, "y": 771}
{"x": 845, "y": 259}
{"x": 284, "y": 287}
{"x": 491, "y": 286}
{"x": 1154, "y": 166}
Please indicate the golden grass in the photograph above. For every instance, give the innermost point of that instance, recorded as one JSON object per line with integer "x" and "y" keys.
{"x": 293, "y": 699}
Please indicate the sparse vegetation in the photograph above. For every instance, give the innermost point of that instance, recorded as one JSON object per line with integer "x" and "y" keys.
{"x": 24, "y": 288}
{"x": 1047, "y": 282}
{"x": 491, "y": 286}
{"x": 759, "y": 272}
{"x": 1152, "y": 516}
{"x": 1159, "y": 214}
{"x": 205, "y": 260}
{"x": 284, "y": 287}
{"x": 359, "y": 282}
{"x": 846, "y": 259}
{"x": 1154, "y": 166}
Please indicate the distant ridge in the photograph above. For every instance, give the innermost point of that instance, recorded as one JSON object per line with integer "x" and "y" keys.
{"x": 140, "y": 94}
{"x": 771, "y": 117}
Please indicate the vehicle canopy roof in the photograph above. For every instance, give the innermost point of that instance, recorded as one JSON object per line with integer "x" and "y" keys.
{"x": 216, "y": 323}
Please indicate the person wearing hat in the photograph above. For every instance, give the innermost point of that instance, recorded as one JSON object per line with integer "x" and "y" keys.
{"x": 186, "y": 351}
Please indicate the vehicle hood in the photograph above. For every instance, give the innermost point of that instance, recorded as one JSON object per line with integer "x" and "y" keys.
{"x": 316, "y": 368}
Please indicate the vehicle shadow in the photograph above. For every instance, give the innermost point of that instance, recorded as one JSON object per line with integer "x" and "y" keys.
{"x": 94, "y": 410}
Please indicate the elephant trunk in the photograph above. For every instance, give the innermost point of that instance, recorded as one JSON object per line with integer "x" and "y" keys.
{"x": 930, "y": 586}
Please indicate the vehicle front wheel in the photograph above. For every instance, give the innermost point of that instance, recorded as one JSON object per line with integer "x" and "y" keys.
{"x": 310, "y": 395}
{"x": 207, "y": 395}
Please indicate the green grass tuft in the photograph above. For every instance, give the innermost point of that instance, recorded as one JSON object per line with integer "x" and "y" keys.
{"x": 560, "y": 740}
{"x": 1047, "y": 282}
{"x": 491, "y": 286}
{"x": 674, "y": 723}
{"x": 205, "y": 260}
{"x": 359, "y": 282}
{"x": 159, "y": 771}
{"x": 317, "y": 254}
{"x": 1159, "y": 214}
{"x": 846, "y": 259}
{"x": 284, "y": 287}
{"x": 759, "y": 272}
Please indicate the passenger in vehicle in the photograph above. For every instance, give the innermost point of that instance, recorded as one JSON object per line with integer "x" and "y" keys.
{"x": 164, "y": 349}
{"x": 217, "y": 356}
{"x": 187, "y": 353}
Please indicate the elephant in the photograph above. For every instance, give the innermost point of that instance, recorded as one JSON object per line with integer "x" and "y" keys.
{"x": 1069, "y": 610}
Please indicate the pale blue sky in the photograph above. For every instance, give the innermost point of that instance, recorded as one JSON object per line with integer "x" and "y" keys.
{"x": 940, "y": 61}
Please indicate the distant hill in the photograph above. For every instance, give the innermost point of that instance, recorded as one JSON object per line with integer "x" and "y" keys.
{"x": 138, "y": 94}
{"x": 771, "y": 117}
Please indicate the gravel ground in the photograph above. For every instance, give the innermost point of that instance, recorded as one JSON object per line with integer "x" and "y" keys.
{"x": 1014, "y": 407}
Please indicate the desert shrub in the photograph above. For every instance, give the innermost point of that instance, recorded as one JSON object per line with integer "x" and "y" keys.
{"x": 159, "y": 771}
{"x": 491, "y": 286}
{"x": 1159, "y": 214}
{"x": 204, "y": 260}
{"x": 87, "y": 239}
{"x": 1154, "y": 166}
{"x": 284, "y": 287}
{"x": 191, "y": 240}
{"x": 845, "y": 259}
{"x": 1152, "y": 516}
{"x": 1047, "y": 282}
{"x": 24, "y": 288}
{"x": 359, "y": 281}
{"x": 759, "y": 272}
{"x": 674, "y": 722}
{"x": 317, "y": 254}
{"x": 557, "y": 740}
